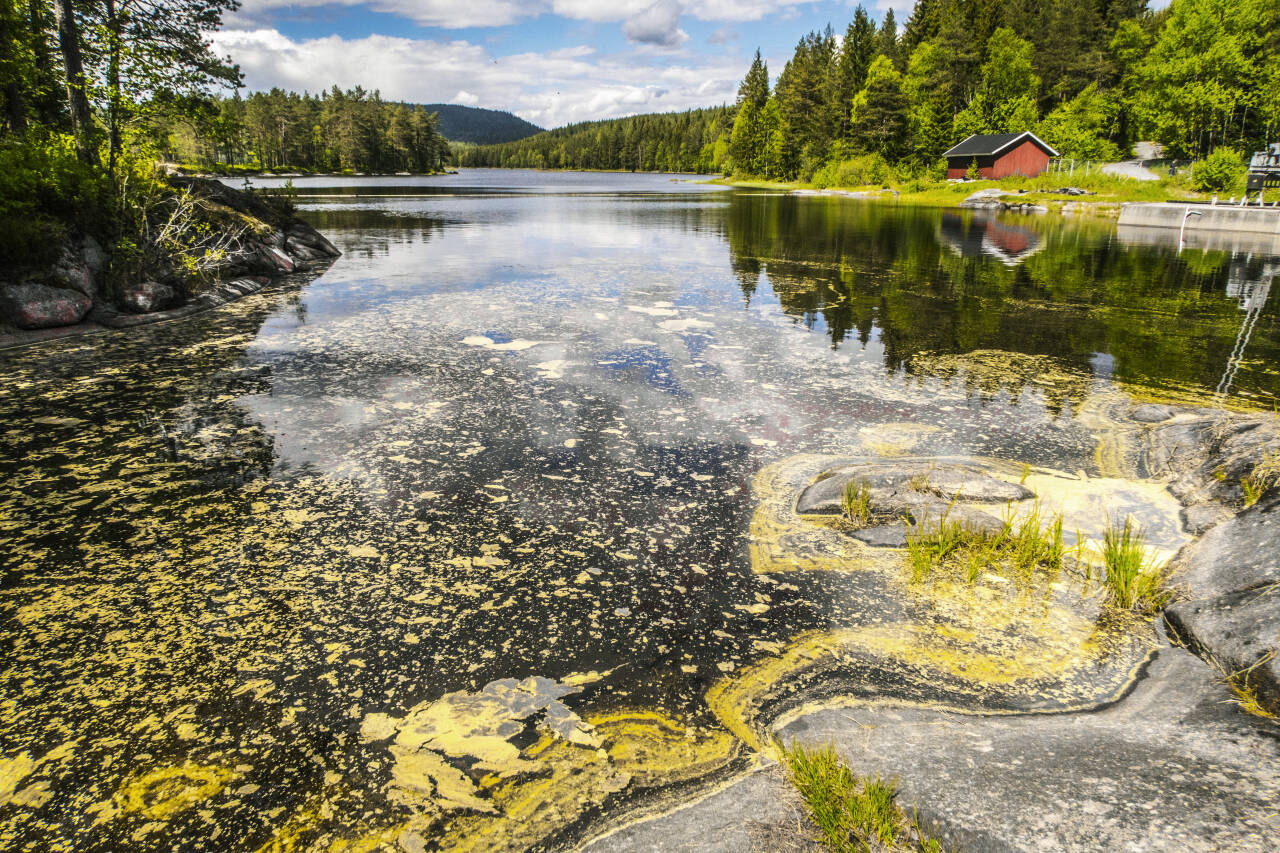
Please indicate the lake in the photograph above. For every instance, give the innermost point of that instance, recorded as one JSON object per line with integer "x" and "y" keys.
{"x": 473, "y": 539}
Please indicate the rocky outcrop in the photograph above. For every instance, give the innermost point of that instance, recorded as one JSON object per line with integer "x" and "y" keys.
{"x": 1233, "y": 618}
{"x": 919, "y": 493}
{"x": 269, "y": 243}
{"x": 992, "y": 199}
{"x": 39, "y": 306}
{"x": 1230, "y": 576}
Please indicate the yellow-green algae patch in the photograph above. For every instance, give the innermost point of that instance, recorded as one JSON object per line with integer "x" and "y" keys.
{"x": 990, "y": 644}
{"x": 465, "y": 781}
{"x": 165, "y": 791}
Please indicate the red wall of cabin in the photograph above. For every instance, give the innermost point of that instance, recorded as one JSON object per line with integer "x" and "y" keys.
{"x": 1027, "y": 159}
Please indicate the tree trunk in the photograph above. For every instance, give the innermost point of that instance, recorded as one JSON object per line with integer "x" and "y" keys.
{"x": 12, "y": 91}
{"x": 77, "y": 97}
{"x": 113, "y": 84}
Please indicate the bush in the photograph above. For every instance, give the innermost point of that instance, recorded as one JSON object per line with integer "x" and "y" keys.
{"x": 45, "y": 193}
{"x": 866, "y": 170}
{"x": 1218, "y": 172}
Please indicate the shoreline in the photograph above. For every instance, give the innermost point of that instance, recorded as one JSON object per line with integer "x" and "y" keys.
{"x": 1098, "y": 204}
{"x": 100, "y": 321}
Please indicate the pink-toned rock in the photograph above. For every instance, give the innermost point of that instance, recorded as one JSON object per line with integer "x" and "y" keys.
{"x": 147, "y": 297}
{"x": 38, "y": 306}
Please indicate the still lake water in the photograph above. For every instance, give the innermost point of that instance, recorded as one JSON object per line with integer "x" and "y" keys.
{"x": 460, "y": 543}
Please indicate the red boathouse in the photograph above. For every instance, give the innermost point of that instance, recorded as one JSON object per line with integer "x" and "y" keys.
{"x": 1000, "y": 155}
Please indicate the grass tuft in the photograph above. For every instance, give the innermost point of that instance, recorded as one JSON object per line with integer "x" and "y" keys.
{"x": 1135, "y": 579}
{"x": 1264, "y": 475}
{"x": 1018, "y": 550}
{"x": 853, "y": 813}
{"x": 856, "y": 501}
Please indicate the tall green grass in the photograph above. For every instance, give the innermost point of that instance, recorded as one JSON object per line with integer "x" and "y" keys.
{"x": 853, "y": 813}
{"x": 1018, "y": 550}
{"x": 1134, "y": 577}
{"x": 855, "y": 500}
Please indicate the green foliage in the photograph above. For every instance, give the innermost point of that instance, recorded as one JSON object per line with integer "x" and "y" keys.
{"x": 1006, "y": 98}
{"x": 1201, "y": 83}
{"x": 1220, "y": 171}
{"x": 862, "y": 171}
{"x": 334, "y": 131}
{"x": 855, "y": 500}
{"x": 853, "y": 813}
{"x": 1021, "y": 548}
{"x": 1082, "y": 127}
{"x": 692, "y": 141}
{"x": 46, "y": 191}
{"x": 880, "y": 112}
{"x": 1134, "y": 578}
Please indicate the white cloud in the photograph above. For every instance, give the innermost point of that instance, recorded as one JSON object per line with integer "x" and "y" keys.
{"x": 454, "y": 14}
{"x": 435, "y": 13}
{"x": 550, "y": 88}
{"x": 657, "y": 25}
{"x": 724, "y": 35}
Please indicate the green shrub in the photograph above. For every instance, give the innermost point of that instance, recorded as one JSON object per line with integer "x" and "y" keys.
{"x": 1218, "y": 172}
{"x": 45, "y": 193}
{"x": 865, "y": 170}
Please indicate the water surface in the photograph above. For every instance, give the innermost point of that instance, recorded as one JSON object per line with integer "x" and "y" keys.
{"x": 457, "y": 542}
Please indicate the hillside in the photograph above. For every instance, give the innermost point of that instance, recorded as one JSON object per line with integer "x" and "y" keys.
{"x": 480, "y": 126}
{"x": 691, "y": 141}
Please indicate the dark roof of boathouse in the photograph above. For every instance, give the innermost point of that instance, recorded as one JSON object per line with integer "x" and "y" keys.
{"x": 990, "y": 144}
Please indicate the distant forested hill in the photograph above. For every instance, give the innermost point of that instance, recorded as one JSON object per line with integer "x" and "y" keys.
{"x": 480, "y": 126}
{"x": 691, "y": 141}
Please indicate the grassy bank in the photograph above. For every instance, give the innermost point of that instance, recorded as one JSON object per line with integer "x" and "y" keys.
{"x": 1107, "y": 192}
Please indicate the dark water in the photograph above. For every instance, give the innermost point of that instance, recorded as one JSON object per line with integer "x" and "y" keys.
{"x": 523, "y": 429}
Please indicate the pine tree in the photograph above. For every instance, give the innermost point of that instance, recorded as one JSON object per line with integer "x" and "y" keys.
{"x": 755, "y": 86}
{"x": 880, "y": 119}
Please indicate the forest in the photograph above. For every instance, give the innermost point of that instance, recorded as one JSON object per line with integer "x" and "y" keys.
{"x": 1090, "y": 77}
{"x": 334, "y": 131}
{"x": 692, "y": 141}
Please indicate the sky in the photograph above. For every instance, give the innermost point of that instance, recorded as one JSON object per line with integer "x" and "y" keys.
{"x": 552, "y": 62}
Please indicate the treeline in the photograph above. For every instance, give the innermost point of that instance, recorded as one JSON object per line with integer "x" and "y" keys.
{"x": 353, "y": 130}
{"x": 693, "y": 141}
{"x": 1089, "y": 76}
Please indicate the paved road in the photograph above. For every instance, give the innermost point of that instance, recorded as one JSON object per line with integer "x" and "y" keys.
{"x": 1130, "y": 169}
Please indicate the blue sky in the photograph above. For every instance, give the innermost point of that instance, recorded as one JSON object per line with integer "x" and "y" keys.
{"x": 550, "y": 61}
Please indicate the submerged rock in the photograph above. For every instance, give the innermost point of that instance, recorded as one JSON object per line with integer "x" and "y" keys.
{"x": 38, "y": 306}
{"x": 896, "y": 485}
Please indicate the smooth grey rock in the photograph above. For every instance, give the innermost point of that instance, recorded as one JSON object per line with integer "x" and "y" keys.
{"x": 929, "y": 512}
{"x": 147, "y": 297}
{"x": 299, "y": 250}
{"x": 892, "y": 535}
{"x": 1201, "y": 517}
{"x": 1238, "y": 633}
{"x": 1152, "y": 413}
{"x": 38, "y": 306}
{"x": 758, "y": 812}
{"x": 303, "y": 234}
{"x": 889, "y": 483}
{"x": 1174, "y": 766}
{"x": 1205, "y": 456}
{"x": 1237, "y": 554}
